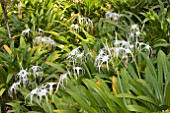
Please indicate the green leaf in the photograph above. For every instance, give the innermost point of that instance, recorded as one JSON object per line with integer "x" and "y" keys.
{"x": 150, "y": 65}
{"x": 138, "y": 108}
{"x": 65, "y": 111}
{"x": 148, "y": 99}
{"x": 34, "y": 112}
{"x": 56, "y": 66}
{"x": 22, "y": 43}
{"x": 91, "y": 85}
{"x": 57, "y": 36}
{"x": 9, "y": 77}
{"x": 167, "y": 95}
{"x": 81, "y": 101}
{"x": 2, "y": 91}
{"x": 17, "y": 106}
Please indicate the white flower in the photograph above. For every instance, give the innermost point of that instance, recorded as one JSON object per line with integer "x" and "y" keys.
{"x": 116, "y": 16}
{"x": 37, "y": 40}
{"x": 50, "y": 42}
{"x": 39, "y": 92}
{"x": 63, "y": 77}
{"x": 78, "y": 69}
{"x": 43, "y": 93}
{"x": 50, "y": 86}
{"x": 75, "y": 28}
{"x": 89, "y": 22}
{"x": 75, "y": 56}
{"x": 113, "y": 16}
{"x": 22, "y": 75}
{"x": 36, "y": 71}
{"x": 108, "y": 14}
{"x": 72, "y": 53}
{"x": 134, "y": 27}
{"x": 122, "y": 43}
{"x": 143, "y": 46}
{"x": 61, "y": 81}
{"x": 137, "y": 33}
{"x": 13, "y": 89}
{"x": 131, "y": 35}
{"x": 77, "y": 1}
{"x": 103, "y": 57}
{"x": 40, "y": 30}
{"x": 46, "y": 41}
{"x": 81, "y": 20}
{"x": 26, "y": 31}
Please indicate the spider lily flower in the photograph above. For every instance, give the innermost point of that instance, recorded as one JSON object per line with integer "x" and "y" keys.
{"x": 75, "y": 28}
{"x": 108, "y": 14}
{"x": 75, "y": 56}
{"x": 84, "y": 20}
{"x": 77, "y": 1}
{"x": 45, "y": 41}
{"x": 42, "y": 91}
{"x": 50, "y": 42}
{"x": 143, "y": 46}
{"x": 134, "y": 31}
{"x": 113, "y": 16}
{"x": 122, "y": 43}
{"x": 122, "y": 53}
{"x": 39, "y": 92}
{"x": 50, "y": 86}
{"x": 89, "y": 22}
{"x": 37, "y": 71}
{"x": 103, "y": 57}
{"x": 80, "y": 57}
{"x": 134, "y": 27}
{"x": 40, "y": 30}
{"x": 78, "y": 70}
{"x": 81, "y": 20}
{"x": 61, "y": 81}
{"x": 137, "y": 33}
{"x": 63, "y": 77}
{"x": 37, "y": 40}
{"x": 25, "y": 32}
{"x": 23, "y": 79}
{"x": 72, "y": 53}
{"x": 13, "y": 89}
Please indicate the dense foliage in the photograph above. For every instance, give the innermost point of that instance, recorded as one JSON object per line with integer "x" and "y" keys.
{"x": 89, "y": 56}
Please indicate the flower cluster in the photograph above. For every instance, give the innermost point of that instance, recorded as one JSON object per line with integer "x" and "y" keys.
{"x": 42, "y": 91}
{"x": 39, "y": 92}
{"x": 23, "y": 80}
{"x": 134, "y": 33}
{"x": 75, "y": 28}
{"x": 45, "y": 41}
{"x": 110, "y": 54}
{"x": 75, "y": 59}
{"x": 83, "y": 22}
{"x": 77, "y": 1}
{"x": 113, "y": 16}
{"x": 120, "y": 51}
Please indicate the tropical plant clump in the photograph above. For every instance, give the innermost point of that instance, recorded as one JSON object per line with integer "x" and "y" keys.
{"x": 87, "y": 56}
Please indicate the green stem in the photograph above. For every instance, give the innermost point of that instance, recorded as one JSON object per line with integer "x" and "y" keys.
{"x": 137, "y": 69}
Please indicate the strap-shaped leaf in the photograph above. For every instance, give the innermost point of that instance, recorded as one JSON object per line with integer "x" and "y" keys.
{"x": 138, "y": 108}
